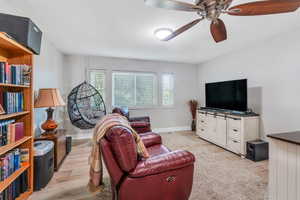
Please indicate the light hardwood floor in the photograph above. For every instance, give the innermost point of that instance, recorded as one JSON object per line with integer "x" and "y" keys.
{"x": 219, "y": 174}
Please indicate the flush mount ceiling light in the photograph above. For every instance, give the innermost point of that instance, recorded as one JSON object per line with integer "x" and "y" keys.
{"x": 163, "y": 33}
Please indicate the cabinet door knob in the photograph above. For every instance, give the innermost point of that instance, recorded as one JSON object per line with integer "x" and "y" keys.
{"x": 235, "y": 130}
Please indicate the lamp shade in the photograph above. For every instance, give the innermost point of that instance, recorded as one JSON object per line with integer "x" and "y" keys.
{"x": 49, "y": 97}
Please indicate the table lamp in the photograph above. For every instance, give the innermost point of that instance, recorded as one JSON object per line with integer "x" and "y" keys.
{"x": 49, "y": 97}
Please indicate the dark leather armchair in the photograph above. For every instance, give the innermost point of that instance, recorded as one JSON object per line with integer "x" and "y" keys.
{"x": 165, "y": 175}
{"x": 139, "y": 124}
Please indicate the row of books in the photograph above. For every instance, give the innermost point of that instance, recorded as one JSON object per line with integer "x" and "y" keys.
{"x": 19, "y": 186}
{"x": 12, "y": 102}
{"x": 12, "y": 161}
{"x": 10, "y": 131}
{"x": 9, "y": 163}
{"x": 14, "y": 74}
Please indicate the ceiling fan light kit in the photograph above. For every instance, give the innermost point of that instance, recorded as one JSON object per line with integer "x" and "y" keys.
{"x": 212, "y": 9}
{"x": 163, "y": 33}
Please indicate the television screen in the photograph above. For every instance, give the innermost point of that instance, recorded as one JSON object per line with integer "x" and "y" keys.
{"x": 229, "y": 95}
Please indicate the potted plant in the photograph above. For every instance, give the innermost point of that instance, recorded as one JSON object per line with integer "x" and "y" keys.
{"x": 193, "y": 108}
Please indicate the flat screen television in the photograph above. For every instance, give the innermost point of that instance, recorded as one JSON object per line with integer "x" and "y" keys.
{"x": 228, "y": 95}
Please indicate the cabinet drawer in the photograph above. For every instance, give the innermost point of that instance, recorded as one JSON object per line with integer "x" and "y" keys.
{"x": 234, "y": 145}
{"x": 202, "y": 122}
{"x": 234, "y": 123}
{"x": 202, "y": 133}
{"x": 201, "y": 130}
{"x": 201, "y": 116}
{"x": 234, "y": 133}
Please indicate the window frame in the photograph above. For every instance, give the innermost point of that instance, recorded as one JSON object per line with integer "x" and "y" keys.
{"x": 88, "y": 78}
{"x": 162, "y": 90}
{"x": 156, "y": 96}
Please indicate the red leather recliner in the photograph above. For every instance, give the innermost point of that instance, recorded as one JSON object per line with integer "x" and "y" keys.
{"x": 139, "y": 124}
{"x": 165, "y": 175}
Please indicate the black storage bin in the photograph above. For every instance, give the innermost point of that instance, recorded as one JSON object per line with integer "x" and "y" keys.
{"x": 23, "y": 30}
{"x": 43, "y": 163}
{"x": 69, "y": 144}
{"x": 257, "y": 150}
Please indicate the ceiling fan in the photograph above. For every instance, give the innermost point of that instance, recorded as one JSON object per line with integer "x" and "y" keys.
{"x": 212, "y": 9}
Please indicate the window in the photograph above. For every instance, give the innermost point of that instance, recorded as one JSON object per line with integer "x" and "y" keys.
{"x": 133, "y": 89}
{"x": 167, "y": 89}
{"x": 97, "y": 79}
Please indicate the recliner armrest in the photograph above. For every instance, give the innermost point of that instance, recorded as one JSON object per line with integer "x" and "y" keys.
{"x": 141, "y": 126}
{"x": 162, "y": 163}
{"x": 149, "y": 139}
{"x": 138, "y": 119}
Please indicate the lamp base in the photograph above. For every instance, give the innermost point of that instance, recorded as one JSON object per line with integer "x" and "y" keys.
{"x": 49, "y": 125}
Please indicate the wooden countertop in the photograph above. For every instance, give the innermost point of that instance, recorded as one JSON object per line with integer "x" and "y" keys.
{"x": 292, "y": 137}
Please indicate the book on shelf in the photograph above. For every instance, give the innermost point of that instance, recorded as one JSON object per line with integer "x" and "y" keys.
{"x": 10, "y": 163}
{"x": 19, "y": 186}
{"x": 12, "y": 102}
{"x": 24, "y": 155}
{"x": 2, "y": 111}
{"x": 10, "y": 131}
{"x": 14, "y": 74}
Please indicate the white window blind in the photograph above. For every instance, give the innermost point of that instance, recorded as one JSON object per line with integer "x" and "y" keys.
{"x": 97, "y": 79}
{"x": 167, "y": 89}
{"x": 133, "y": 89}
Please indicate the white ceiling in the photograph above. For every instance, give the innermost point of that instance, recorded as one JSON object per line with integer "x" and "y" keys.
{"x": 125, "y": 29}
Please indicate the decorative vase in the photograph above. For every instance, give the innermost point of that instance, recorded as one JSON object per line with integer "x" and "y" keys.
{"x": 193, "y": 126}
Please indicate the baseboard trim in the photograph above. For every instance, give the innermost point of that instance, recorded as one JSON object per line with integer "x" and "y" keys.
{"x": 88, "y": 134}
{"x": 171, "y": 129}
{"x": 81, "y": 135}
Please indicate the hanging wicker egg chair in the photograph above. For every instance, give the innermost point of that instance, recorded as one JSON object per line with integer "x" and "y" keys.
{"x": 85, "y": 106}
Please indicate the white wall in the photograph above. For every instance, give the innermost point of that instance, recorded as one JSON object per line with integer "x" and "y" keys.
{"x": 48, "y": 74}
{"x": 48, "y": 65}
{"x": 177, "y": 117}
{"x": 272, "y": 68}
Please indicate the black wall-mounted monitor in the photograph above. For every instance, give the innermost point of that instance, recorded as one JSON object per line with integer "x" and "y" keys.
{"x": 228, "y": 95}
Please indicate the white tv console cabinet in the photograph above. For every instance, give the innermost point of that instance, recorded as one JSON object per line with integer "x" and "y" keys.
{"x": 230, "y": 131}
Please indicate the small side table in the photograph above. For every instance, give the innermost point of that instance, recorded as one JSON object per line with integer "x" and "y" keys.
{"x": 59, "y": 139}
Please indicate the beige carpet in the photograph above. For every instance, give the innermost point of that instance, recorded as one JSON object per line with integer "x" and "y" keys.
{"x": 219, "y": 174}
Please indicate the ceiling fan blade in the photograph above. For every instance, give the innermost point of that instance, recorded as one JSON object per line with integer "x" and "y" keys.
{"x": 264, "y": 7}
{"x": 182, "y": 29}
{"x": 218, "y": 30}
{"x": 172, "y": 4}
